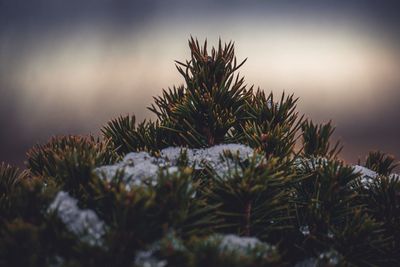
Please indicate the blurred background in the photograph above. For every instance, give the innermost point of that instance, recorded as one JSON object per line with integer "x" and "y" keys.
{"x": 67, "y": 67}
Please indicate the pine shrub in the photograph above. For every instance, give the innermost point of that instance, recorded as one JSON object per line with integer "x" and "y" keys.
{"x": 226, "y": 175}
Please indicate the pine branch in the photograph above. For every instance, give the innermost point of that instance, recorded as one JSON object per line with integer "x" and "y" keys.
{"x": 381, "y": 163}
{"x": 316, "y": 140}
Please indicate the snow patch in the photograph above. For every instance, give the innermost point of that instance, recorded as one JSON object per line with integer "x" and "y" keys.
{"x": 304, "y": 229}
{"x": 367, "y": 175}
{"x": 148, "y": 258}
{"x": 202, "y": 157}
{"x": 81, "y": 222}
{"x": 310, "y": 262}
{"x": 139, "y": 168}
{"x": 243, "y": 246}
{"x": 327, "y": 258}
{"x": 234, "y": 242}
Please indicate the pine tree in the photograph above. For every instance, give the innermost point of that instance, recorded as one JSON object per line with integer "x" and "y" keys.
{"x": 226, "y": 175}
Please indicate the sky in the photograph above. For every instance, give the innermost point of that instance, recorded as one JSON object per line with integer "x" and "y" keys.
{"x": 68, "y": 67}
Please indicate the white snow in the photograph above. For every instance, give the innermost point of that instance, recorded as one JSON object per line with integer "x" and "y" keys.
{"x": 81, "y": 222}
{"x": 139, "y": 168}
{"x": 240, "y": 245}
{"x": 147, "y": 259}
{"x": 234, "y": 242}
{"x": 331, "y": 256}
{"x": 304, "y": 229}
{"x": 367, "y": 175}
{"x": 310, "y": 262}
{"x": 226, "y": 243}
{"x": 327, "y": 258}
{"x": 203, "y": 156}
{"x": 136, "y": 168}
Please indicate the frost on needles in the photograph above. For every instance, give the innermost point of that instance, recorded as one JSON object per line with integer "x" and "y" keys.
{"x": 225, "y": 175}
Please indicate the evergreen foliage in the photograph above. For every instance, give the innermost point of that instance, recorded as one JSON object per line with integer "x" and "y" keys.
{"x": 316, "y": 140}
{"x": 289, "y": 203}
{"x": 381, "y": 162}
{"x": 272, "y": 127}
{"x": 212, "y": 94}
{"x": 253, "y": 198}
{"x": 127, "y": 137}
